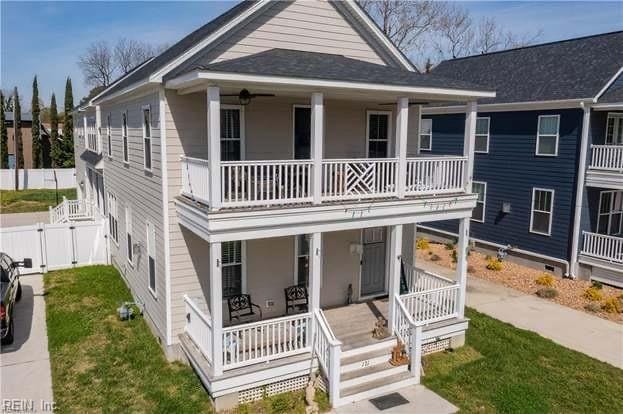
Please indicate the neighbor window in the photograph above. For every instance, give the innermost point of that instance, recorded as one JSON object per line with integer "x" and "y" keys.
{"x": 482, "y": 135}
{"x": 147, "y": 137}
{"x": 547, "y": 135}
{"x": 614, "y": 129}
{"x": 426, "y": 134}
{"x": 151, "y": 255}
{"x": 301, "y": 247}
{"x": 542, "y": 210}
{"x": 124, "y": 137}
{"x": 378, "y": 134}
{"x": 610, "y": 220}
{"x": 91, "y": 134}
{"x": 231, "y": 257}
{"x": 109, "y": 136}
{"x": 113, "y": 222}
{"x": 231, "y": 133}
{"x": 128, "y": 231}
{"x": 480, "y": 188}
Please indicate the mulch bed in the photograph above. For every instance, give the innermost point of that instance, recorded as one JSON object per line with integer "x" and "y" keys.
{"x": 522, "y": 278}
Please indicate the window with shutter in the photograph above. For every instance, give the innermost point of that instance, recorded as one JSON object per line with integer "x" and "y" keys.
{"x": 231, "y": 258}
{"x": 231, "y": 133}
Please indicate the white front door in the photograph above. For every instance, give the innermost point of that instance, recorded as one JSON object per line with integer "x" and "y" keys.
{"x": 373, "y": 262}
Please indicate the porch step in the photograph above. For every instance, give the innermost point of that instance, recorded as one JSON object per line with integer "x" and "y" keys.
{"x": 370, "y": 373}
{"x": 375, "y": 388}
{"x": 367, "y": 359}
{"x": 351, "y": 349}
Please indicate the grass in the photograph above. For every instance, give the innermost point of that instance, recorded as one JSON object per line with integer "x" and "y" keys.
{"x": 503, "y": 369}
{"x": 25, "y": 201}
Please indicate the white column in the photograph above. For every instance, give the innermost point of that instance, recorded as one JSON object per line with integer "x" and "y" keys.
{"x": 315, "y": 269}
{"x": 416, "y": 352}
{"x": 417, "y": 115}
{"x": 395, "y": 254}
{"x": 402, "y": 125}
{"x": 216, "y": 307}
{"x": 98, "y": 127}
{"x": 461, "y": 262}
{"x": 214, "y": 145}
{"x": 317, "y": 138}
{"x": 471, "y": 113}
{"x": 85, "y": 134}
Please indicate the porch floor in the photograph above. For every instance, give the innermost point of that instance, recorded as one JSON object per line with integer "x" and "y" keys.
{"x": 353, "y": 324}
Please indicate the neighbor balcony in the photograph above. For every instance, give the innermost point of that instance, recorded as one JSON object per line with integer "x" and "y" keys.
{"x": 603, "y": 247}
{"x": 606, "y": 166}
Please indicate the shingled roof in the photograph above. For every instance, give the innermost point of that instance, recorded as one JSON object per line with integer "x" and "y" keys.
{"x": 569, "y": 69}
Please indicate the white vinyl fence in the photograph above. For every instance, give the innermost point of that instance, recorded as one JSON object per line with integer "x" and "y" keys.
{"x": 38, "y": 178}
{"x": 56, "y": 246}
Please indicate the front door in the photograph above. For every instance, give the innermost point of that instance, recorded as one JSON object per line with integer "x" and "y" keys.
{"x": 302, "y": 133}
{"x": 373, "y": 262}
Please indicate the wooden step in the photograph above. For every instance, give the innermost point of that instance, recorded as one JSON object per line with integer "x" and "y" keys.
{"x": 366, "y": 359}
{"x": 387, "y": 344}
{"x": 375, "y": 388}
{"x": 371, "y": 373}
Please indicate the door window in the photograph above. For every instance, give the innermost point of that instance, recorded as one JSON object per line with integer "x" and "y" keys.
{"x": 302, "y": 133}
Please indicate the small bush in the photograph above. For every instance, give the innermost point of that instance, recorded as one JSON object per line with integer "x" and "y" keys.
{"x": 547, "y": 293}
{"x": 471, "y": 269}
{"x": 494, "y": 264}
{"x": 449, "y": 246}
{"x": 430, "y": 252}
{"x": 283, "y": 403}
{"x": 612, "y": 305}
{"x": 593, "y": 294}
{"x": 597, "y": 285}
{"x": 435, "y": 258}
{"x": 545, "y": 280}
{"x": 592, "y": 307}
{"x": 422, "y": 244}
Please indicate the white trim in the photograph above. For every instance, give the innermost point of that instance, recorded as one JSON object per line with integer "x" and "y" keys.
{"x": 538, "y": 136}
{"x": 488, "y": 118}
{"x": 609, "y": 107}
{"x": 112, "y": 85}
{"x": 508, "y": 107}
{"x": 484, "y": 202}
{"x": 165, "y": 210}
{"x": 294, "y": 106}
{"x": 242, "y": 138}
{"x": 607, "y": 85}
{"x": 109, "y": 135}
{"x": 430, "y": 140}
{"x": 389, "y": 131}
{"x": 551, "y": 212}
{"x": 296, "y": 257}
{"x": 198, "y": 75}
{"x": 145, "y": 138}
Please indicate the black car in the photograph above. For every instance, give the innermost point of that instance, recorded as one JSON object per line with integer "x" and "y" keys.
{"x": 11, "y": 292}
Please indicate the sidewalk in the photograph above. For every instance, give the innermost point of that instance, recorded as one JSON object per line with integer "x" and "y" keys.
{"x": 25, "y": 364}
{"x": 24, "y": 219}
{"x": 591, "y": 335}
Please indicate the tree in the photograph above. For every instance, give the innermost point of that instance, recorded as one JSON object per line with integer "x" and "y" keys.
{"x": 130, "y": 53}
{"x": 36, "y": 127}
{"x": 97, "y": 64}
{"x": 55, "y": 143}
{"x": 455, "y": 35}
{"x": 4, "y": 137}
{"x": 17, "y": 127}
{"x": 68, "y": 127}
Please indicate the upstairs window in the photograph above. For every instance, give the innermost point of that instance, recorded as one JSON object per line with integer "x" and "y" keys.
{"x": 147, "y": 137}
{"x": 426, "y": 134}
{"x": 109, "y": 136}
{"x": 231, "y": 258}
{"x": 301, "y": 261}
{"x": 610, "y": 220}
{"x": 482, "y": 135}
{"x": 124, "y": 137}
{"x": 479, "y": 188}
{"x": 542, "y": 211}
{"x": 378, "y": 134}
{"x": 113, "y": 223}
{"x": 614, "y": 129}
{"x": 547, "y": 135}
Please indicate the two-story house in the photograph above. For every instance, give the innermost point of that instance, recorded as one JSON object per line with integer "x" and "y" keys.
{"x": 549, "y": 153}
{"x": 263, "y": 182}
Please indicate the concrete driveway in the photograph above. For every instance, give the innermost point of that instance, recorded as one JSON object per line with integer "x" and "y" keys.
{"x": 25, "y": 365}
{"x": 24, "y": 219}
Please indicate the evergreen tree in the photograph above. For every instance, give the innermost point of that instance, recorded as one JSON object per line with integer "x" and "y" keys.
{"x": 4, "y": 137}
{"x": 36, "y": 127}
{"x": 17, "y": 127}
{"x": 68, "y": 127}
{"x": 55, "y": 144}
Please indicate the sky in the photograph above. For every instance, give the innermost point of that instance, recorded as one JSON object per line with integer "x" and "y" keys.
{"x": 46, "y": 38}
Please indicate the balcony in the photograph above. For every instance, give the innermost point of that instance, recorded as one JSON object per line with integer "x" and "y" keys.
{"x": 603, "y": 247}
{"x": 606, "y": 166}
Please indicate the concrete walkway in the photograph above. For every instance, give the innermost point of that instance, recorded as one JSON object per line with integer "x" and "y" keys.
{"x": 24, "y": 219}
{"x": 577, "y": 330}
{"x": 25, "y": 365}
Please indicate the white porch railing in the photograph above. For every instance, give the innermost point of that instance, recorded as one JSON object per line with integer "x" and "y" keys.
{"x": 199, "y": 325}
{"x": 607, "y": 157}
{"x": 409, "y": 333}
{"x": 196, "y": 179}
{"x": 266, "y": 340}
{"x": 328, "y": 350}
{"x": 71, "y": 210}
{"x": 251, "y": 183}
{"x": 435, "y": 175}
{"x": 433, "y": 305}
{"x": 419, "y": 280}
{"x": 348, "y": 179}
{"x": 603, "y": 246}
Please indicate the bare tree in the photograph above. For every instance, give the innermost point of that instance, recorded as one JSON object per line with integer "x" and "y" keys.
{"x": 130, "y": 53}
{"x": 490, "y": 37}
{"x": 97, "y": 64}
{"x": 455, "y": 35}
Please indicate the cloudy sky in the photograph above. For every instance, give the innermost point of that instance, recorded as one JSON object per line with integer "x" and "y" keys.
{"x": 46, "y": 38}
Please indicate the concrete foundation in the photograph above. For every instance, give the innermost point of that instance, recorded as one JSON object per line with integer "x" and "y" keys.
{"x": 457, "y": 341}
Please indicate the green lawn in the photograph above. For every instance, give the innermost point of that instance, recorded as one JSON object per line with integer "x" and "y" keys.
{"x": 25, "y": 201}
{"x": 508, "y": 370}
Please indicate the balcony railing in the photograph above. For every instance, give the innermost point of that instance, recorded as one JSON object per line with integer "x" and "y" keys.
{"x": 71, "y": 210}
{"x": 603, "y": 247}
{"x": 607, "y": 157}
{"x": 266, "y": 183}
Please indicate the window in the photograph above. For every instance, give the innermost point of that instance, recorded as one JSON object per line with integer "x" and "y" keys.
{"x": 378, "y": 131}
{"x": 109, "y": 136}
{"x": 231, "y": 133}
{"x": 151, "y": 256}
{"x": 91, "y": 134}
{"x": 547, "y": 135}
{"x": 113, "y": 223}
{"x": 426, "y": 134}
{"x": 301, "y": 260}
{"x": 614, "y": 129}
{"x": 147, "y": 137}
{"x": 231, "y": 257}
{"x": 610, "y": 220}
{"x": 542, "y": 208}
{"x": 479, "y": 188}
{"x": 124, "y": 137}
{"x": 128, "y": 231}
{"x": 482, "y": 135}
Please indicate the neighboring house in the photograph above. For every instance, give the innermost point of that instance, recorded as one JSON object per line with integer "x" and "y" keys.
{"x": 549, "y": 153}
{"x": 274, "y": 153}
{"x": 26, "y": 125}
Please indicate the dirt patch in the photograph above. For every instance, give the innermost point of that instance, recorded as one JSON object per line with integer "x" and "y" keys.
{"x": 522, "y": 278}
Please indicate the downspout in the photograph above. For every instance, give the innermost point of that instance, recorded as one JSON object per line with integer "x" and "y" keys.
{"x": 579, "y": 192}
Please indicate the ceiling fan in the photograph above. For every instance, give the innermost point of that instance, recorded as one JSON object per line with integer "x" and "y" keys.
{"x": 410, "y": 103}
{"x": 244, "y": 96}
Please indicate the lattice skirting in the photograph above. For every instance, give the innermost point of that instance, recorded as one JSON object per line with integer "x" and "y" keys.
{"x": 436, "y": 346}
{"x": 287, "y": 385}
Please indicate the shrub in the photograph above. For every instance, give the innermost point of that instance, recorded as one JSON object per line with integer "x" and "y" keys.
{"x": 435, "y": 258}
{"x": 494, "y": 264}
{"x": 430, "y": 252}
{"x": 545, "y": 280}
{"x": 597, "y": 285}
{"x": 592, "y": 307}
{"x": 471, "y": 269}
{"x": 547, "y": 293}
{"x": 283, "y": 403}
{"x": 593, "y": 294}
{"x": 612, "y": 305}
{"x": 449, "y": 246}
{"x": 422, "y": 244}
